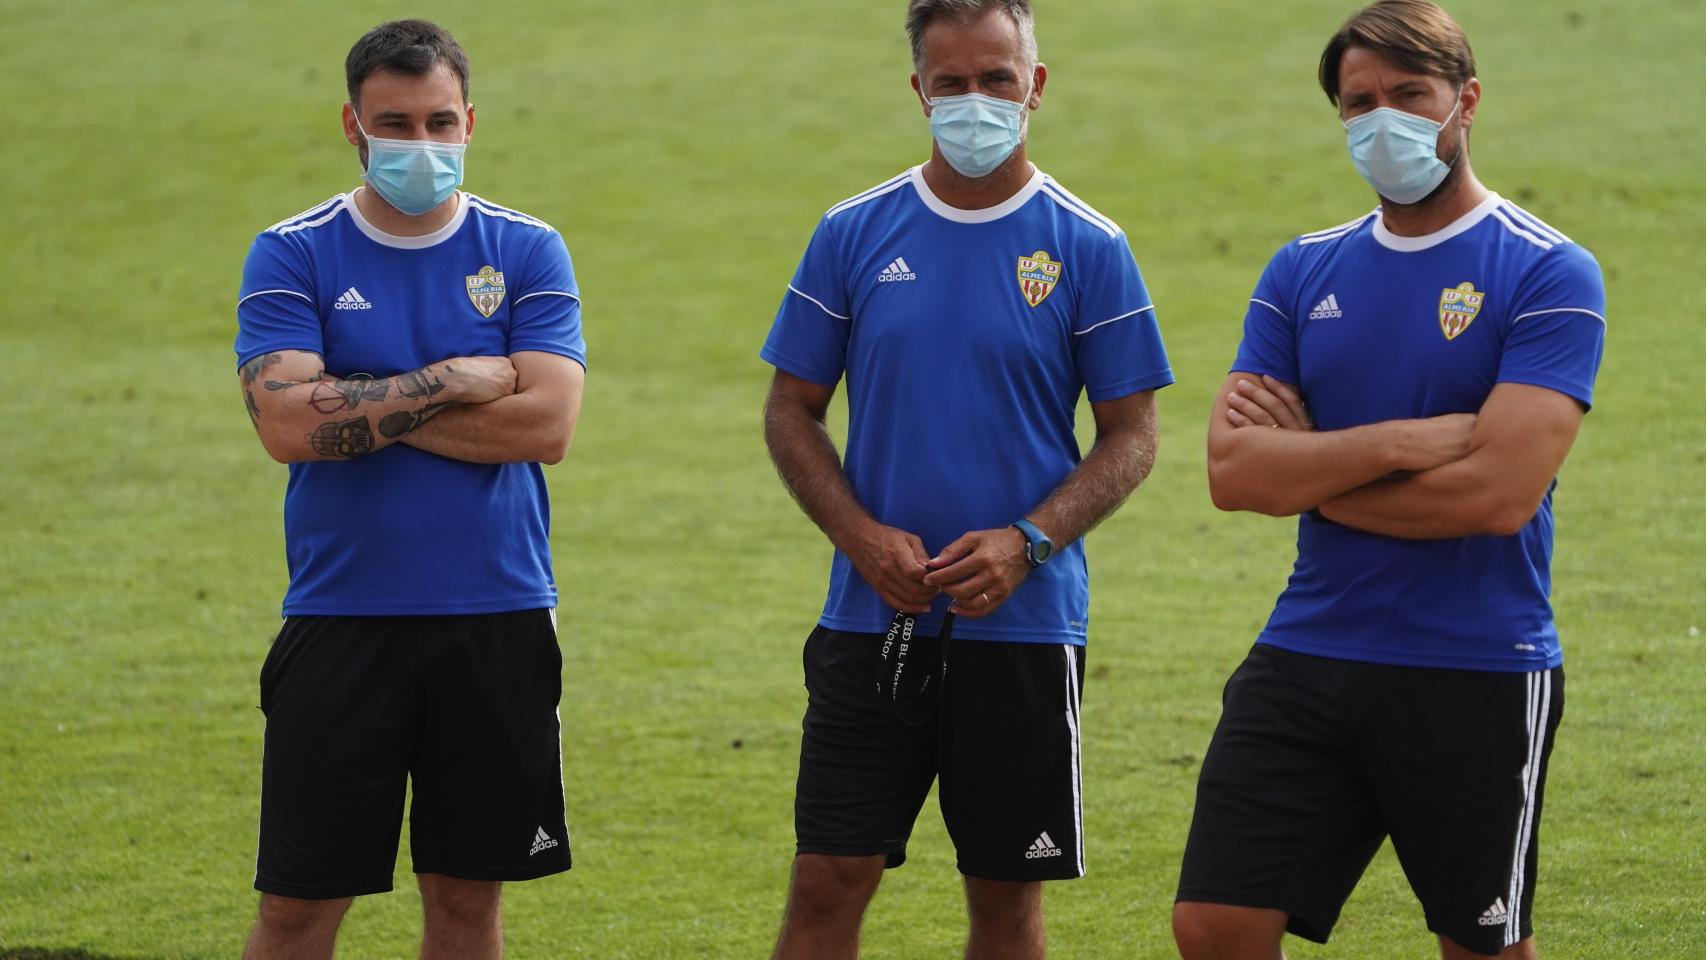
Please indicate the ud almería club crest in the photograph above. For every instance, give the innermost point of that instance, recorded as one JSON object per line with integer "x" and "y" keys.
{"x": 486, "y": 290}
{"x": 1037, "y": 276}
{"x": 1457, "y": 308}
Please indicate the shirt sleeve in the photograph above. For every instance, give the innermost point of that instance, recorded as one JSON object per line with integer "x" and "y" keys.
{"x": 275, "y": 306}
{"x": 546, "y": 312}
{"x": 809, "y": 336}
{"x": 1270, "y": 331}
{"x": 1116, "y": 340}
{"x": 1557, "y": 332}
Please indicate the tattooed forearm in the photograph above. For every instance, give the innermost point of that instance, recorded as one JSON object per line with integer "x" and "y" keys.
{"x": 252, "y": 370}
{"x": 366, "y": 389}
{"x": 330, "y": 396}
{"x": 344, "y": 439}
{"x": 308, "y": 413}
{"x": 394, "y": 425}
{"x": 276, "y": 385}
{"x": 416, "y": 383}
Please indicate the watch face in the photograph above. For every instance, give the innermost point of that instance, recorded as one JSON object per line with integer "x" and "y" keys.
{"x": 1041, "y": 550}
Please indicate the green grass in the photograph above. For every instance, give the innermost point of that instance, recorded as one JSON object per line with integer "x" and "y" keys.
{"x": 686, "y": 150}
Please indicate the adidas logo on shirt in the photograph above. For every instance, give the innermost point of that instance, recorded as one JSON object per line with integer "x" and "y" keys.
{"x": 352, "y": 300}
{"x": 896, "y": 272}
{"x": 1327, "y": 309}
{"x": 1496, "y": 915}
{"x": 1042, "y": 847}
{"x": 541, "y": 841}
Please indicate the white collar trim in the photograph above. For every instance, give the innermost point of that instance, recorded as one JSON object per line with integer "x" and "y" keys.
{"x": 983, "y": 215}
{"x": 1392, "y": 241}
{"x": 421, "y": 242}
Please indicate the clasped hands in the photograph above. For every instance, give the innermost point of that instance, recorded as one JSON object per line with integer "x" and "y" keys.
{"x": 979, "y": 571}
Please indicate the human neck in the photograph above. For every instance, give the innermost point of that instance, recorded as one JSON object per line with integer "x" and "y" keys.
{"x": 389, "y": 219}
{"x": 1462, "y": 193}
{"x": 962, "y": 192}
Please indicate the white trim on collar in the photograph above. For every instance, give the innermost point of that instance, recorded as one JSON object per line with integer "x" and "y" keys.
{"x": 421, "y": 242}
{"x": 1392, "y": 241}
{"x": 984, "y": 215}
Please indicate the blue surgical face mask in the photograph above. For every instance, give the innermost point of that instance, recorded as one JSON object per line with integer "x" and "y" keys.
{"x": 413, "y": 175}
{"x": 1398, "y": 152}
{"x": 977, "y": 133}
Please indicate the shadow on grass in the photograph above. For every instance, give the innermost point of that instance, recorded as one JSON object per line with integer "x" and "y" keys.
{"x": 43, "y": 953}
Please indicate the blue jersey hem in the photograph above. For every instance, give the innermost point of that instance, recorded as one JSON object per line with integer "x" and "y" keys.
{"x": 966, "y": 630}
{"x": 557, "y": 349}
{"x": 316, "y": 350}
{"x": 789, "y": 366}
{"x": 1484, "y": 664}
{"x": 1259, "y": 370}
{"x": 1575, "y": 391}
{"x": 1155, "y": 380}
{"x": 312, "y": 608}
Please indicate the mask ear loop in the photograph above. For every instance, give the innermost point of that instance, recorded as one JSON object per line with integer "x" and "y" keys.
{"x": 366, "y": 144}
{"x": 1452, "y": 166}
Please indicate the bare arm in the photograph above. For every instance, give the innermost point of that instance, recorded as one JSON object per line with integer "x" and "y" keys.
{"x": 301, "y": 414}
{"x": 890, "y": 560}
{"x": 1281, "y": 472}
{"x": 1119, "y": 460}
{"x": 1521, "y": 439}
{"x": 982, "y": 568}
{"x": 534, "y": 424}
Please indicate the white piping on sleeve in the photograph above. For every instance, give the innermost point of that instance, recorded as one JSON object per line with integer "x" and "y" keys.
{"x": 1080, "y": 333}
{"x": 819, "y": 303}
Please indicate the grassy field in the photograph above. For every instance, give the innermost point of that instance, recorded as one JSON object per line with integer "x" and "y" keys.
{"x": 686, "y": 150}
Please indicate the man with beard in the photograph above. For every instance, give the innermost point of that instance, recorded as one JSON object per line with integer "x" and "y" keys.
{"x": 414, "y": 353}
{"x": 1410, "y": 383}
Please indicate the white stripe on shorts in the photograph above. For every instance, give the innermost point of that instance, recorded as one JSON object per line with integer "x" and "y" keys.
{"x": 1072, "y": 731}
{"x": 1539, "y": 708}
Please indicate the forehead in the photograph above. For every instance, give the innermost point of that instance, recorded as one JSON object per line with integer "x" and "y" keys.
{"x": 388, "y": 90}
{"x": 1365, "y": 69}
{"x": 991, "y": 40}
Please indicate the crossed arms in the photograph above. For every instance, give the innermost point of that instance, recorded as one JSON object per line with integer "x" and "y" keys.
{"x": 1457, "y": 475}
{"x": 478, "y": 409}
{"x": 982, "y": 568}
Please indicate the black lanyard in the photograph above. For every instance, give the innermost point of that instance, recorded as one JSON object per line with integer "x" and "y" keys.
{"x": 911, "y": 678}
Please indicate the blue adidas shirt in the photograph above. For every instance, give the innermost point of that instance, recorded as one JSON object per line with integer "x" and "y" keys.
{"x": 966, "y": 338}
{"x": 403, "y": 531}
{"x": 1374, "y": 326}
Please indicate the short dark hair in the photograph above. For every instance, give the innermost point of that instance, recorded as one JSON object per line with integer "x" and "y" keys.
{"x": 1415, "y": 35}
{"x": 921, "y": 13}
{"x": 411, "y": 47}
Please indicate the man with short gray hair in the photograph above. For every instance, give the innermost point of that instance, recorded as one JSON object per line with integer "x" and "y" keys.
{"x": 969, "y": 302}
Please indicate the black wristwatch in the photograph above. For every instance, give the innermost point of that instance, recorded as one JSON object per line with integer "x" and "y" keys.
{"x": 1038, "y": 547}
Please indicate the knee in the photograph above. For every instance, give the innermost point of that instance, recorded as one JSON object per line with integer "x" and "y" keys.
{"x": 467, "y": 904}
{"x": 826, "y": 887}
{"x": 289, "y": 916}
{"x": 1194, "y": 930}
{"x": 995, "y": 905}
{"x": 1523, "y": 950}
{"x": 1211, "y": 930}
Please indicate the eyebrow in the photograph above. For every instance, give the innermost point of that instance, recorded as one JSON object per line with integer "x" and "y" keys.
{"x": 400, "y": 115}
{"x": 998, "y": 73}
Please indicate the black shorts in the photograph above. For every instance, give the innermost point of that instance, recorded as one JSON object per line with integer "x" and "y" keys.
{"x": 466, "y": 706}
{"x": 1003, "y": 739}
{"x": 1317, "y": 760}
